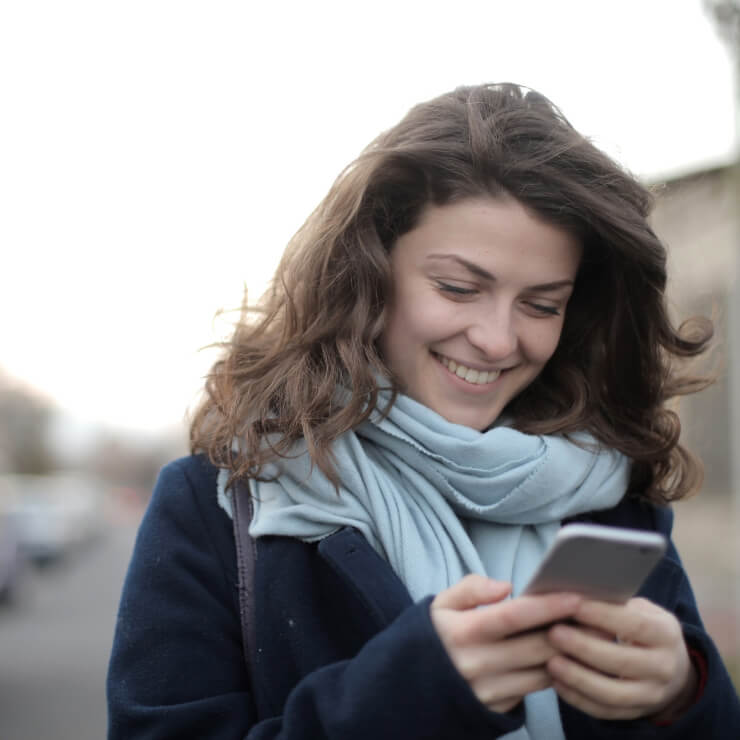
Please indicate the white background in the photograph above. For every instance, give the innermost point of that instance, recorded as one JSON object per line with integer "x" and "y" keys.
{"x": 156, "y": 156}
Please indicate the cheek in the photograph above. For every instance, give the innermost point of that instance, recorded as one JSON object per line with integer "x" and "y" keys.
{"x": 543, "y": 342}
{"x": 416, "y": 319}
{"x": 400, "y": 332}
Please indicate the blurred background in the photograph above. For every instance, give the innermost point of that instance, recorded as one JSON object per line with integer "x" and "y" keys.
{"x": 155, "y": 157}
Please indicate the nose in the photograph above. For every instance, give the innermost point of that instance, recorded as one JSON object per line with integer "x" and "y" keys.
{"x": 493, "y": 333}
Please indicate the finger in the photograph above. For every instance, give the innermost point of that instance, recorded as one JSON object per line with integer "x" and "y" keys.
{"x": 473, "y": 590}
{"x": 606, "y": 656}
{"x": 595, "y": 632}
{"x": 526, "y": 613}
{"x": 591, "y": 707}
{"x": 607, "y": 691}
{"x": 532, "y": 650}
{"x": 631, "y": 622}
{"x": 525, "y": 651}
{"x": 512, "y": 687}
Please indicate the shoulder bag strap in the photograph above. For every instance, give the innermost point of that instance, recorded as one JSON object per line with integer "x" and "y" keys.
{"x": 246, "y": 555}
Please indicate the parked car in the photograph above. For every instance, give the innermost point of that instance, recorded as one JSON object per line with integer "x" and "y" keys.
{"x": 52, "y": 514}
{"x": 11, "y": 559}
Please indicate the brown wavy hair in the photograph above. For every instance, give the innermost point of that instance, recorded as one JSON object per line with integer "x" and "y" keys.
{"x": 619, "y": 360}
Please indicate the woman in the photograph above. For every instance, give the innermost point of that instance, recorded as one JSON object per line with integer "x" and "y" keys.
{"x": 465, "y": 345}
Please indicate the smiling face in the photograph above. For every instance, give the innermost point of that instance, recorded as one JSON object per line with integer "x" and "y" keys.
{"x": 479, "y": 298}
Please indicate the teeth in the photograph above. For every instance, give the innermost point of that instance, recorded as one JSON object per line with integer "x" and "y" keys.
{"x": 468, "y": 374}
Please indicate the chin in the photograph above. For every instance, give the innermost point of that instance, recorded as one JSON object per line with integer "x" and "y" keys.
{"x": 474, "y": 420}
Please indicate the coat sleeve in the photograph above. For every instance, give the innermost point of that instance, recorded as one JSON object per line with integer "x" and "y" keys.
{"x": 716, "y": 714}
{"x": 177, "y": 668}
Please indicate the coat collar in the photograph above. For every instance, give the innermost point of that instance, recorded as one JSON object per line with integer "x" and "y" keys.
{"x": 364, "y": 571}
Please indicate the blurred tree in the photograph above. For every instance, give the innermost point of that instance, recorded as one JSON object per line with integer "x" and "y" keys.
{"x": 27, "y": 446}
{"x": 24, "y": 425}
{"x": 125, "y": 461}
{"x": 133, "y": 461}
{"x": 726, "y": 14}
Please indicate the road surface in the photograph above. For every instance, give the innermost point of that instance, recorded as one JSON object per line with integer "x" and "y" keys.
{"x": 55, "y": 642}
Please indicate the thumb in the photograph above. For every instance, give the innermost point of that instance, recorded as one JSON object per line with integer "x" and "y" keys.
{"x": 473, "y": 590}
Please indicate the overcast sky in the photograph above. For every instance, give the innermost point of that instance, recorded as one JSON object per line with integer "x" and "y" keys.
{"x": 155, "y": 156}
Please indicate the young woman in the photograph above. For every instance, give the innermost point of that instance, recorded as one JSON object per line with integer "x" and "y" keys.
{"x": 465, "y": 346}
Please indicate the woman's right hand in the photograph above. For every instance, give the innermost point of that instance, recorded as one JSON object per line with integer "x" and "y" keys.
{"x": 498, "y": 649}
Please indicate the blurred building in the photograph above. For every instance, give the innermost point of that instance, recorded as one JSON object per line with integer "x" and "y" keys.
{"x": 698, "y": 216}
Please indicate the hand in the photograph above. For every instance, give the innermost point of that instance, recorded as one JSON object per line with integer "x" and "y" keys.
{"x": 487, "y": 646}
{"x": 628, "y": 660}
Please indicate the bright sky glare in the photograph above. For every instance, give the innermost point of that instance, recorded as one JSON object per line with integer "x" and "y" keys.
{"x": 155, "y": 156}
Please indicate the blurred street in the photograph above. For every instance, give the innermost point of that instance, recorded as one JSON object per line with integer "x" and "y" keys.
{"x": 55, "y": 641}
{"x": 56, "y": 638}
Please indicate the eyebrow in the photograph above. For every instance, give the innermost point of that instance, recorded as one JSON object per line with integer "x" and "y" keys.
{"x": 481, "y": 273}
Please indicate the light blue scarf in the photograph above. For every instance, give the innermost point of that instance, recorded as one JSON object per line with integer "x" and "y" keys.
{"x": 438, "y": 500}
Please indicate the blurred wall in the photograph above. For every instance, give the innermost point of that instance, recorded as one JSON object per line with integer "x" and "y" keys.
{"x": 699, "y": 219}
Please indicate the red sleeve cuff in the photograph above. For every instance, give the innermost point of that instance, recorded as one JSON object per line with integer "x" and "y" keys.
{"x": 700, "y": 666}
{"x": 702, "y": 671}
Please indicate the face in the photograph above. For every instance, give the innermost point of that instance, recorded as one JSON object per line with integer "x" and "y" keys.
{"x": 479, "y": 298}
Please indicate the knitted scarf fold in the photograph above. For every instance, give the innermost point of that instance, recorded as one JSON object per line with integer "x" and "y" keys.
{"x": 438, "y": 500}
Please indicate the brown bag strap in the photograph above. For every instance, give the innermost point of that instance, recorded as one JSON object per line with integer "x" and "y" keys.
{"x": 246, "y": 555}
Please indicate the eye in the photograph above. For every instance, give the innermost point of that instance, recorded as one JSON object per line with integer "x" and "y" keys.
{"x": 543, "y": 309}
{"x": 455, "y": 289}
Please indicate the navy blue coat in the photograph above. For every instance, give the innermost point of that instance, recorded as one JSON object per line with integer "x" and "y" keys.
{"x": 342, "y": 652}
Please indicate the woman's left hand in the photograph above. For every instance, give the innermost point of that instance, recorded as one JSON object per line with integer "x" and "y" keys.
{"x": 622, "y": 661}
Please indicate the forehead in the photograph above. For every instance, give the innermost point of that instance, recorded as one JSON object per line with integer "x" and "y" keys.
{"x": 496, "y": 236}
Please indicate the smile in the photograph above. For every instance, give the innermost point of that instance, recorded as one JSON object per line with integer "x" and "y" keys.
{"x": 468, "y": 374}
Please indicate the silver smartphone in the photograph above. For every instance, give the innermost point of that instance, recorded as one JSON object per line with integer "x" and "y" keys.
{"x": 603, "y": 563}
